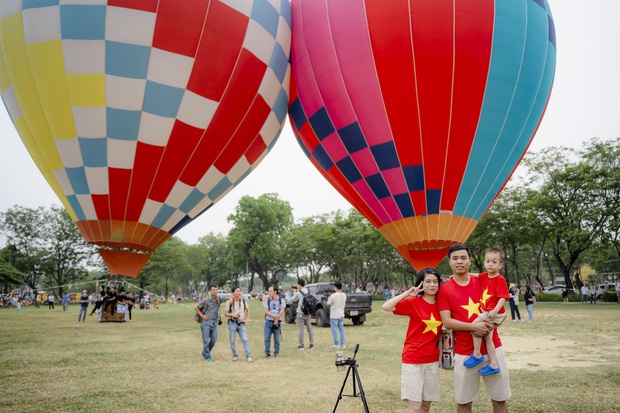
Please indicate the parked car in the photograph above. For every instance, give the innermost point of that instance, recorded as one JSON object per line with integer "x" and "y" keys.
{"x": 223, "y": 295}
{"x": 557, "y": 290}
{"x": 604, "y": 287}
{"x": 356, "y": 308}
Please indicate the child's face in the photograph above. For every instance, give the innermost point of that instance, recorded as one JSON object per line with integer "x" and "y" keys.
{"x": 492, "y": 262}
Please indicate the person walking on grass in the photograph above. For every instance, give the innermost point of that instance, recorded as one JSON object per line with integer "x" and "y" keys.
{"x": 208, "y": 310}
{"x": 301, "y": 318}
{"x": 458, "y": 301}
{"x": 530, "y": 299}
{"x": 336, "y": 303}
{"x": 273, "y": 307}
{"x": 238, "y": 314}
{"x": 65, "y": 302}
{"x": 50, "y": 301}
{"x": 513, "y": 294}
{"x": 420, "y": 357}
{"x": 83, "y": 307}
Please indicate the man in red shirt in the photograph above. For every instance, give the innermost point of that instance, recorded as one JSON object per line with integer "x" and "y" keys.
{"x": 459, "y": 305}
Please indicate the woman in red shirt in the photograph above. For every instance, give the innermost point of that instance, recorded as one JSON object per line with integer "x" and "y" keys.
{"x": 420, "y": 358}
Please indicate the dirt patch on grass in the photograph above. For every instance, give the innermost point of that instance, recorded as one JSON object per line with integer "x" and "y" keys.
{"x": 547, "y": 353}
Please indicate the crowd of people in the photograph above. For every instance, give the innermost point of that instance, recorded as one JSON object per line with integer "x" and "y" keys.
{"x": 107, "y": 299}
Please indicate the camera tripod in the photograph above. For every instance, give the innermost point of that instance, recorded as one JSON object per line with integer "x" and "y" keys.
{"x": 356, "y": 379}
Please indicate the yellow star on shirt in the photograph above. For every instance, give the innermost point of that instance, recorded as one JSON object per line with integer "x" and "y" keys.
{"x": 485, "y": 297}
{"x": 472, "y": 308}
{"x": 431, "y": 325}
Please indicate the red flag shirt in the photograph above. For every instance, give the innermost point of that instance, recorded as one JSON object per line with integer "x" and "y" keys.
{"x": 492, "y": 290}
{"x": 464, "y": 304}
{"x": 423, "y": 331}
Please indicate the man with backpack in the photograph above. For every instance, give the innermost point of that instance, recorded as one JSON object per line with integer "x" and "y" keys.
{"x": 274, "y": 307}
{"x": 304, "y": 310}
{"x": 238, "y": 314}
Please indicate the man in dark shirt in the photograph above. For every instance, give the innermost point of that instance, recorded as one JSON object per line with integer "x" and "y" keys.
{"x": 112, "y": 299}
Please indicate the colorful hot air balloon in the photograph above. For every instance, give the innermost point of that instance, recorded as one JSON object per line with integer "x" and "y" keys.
{"x": 143, "y": 114}
{"x": 418, "y": 111}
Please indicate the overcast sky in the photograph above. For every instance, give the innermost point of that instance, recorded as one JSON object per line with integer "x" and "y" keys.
{"x": 584, "y": 104}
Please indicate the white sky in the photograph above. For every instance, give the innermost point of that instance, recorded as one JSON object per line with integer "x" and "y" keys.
{"x": 585, "y": 103}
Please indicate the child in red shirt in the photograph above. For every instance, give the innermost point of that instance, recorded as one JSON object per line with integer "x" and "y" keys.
{"x": 494, "y": 295}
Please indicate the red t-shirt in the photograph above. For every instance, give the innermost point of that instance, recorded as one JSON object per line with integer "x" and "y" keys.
{"x": 463, "y": 302}
{"x": 423, "y": 331}
{"x": 492, "y": 290}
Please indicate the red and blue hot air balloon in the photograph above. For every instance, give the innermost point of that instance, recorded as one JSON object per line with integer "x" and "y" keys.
{"x": 418, "y": 111}
{"x": 143, "y": 114}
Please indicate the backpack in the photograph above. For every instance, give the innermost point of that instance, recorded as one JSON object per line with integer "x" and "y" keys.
{"x": 307, "y": 303}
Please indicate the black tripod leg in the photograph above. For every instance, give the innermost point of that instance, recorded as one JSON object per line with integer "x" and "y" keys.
{"x": 344, "y": 383}
{"x": 362, "y": 395}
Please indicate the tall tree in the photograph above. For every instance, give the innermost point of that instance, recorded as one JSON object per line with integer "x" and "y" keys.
{"x": 210, "y": 261}
{"x": 66, "y": 248}
{"x": 166, "y": 265}
{"x": 22, "y": 228}
{"x": 257, "y": 235}
{"x": 569, "y": 203}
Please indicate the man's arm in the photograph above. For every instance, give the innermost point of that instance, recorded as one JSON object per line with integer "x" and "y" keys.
{"x": 200, "y": 313}
{"x": 282, "y": 308}
{"x": 478, "y": 329}
{"x": 227, "y": 312}
{"x": 247, "y": 313}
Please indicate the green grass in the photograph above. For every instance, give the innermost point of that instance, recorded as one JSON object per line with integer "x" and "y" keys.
{"x": 569, "y": 361}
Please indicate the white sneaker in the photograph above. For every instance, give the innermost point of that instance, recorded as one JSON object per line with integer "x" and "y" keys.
{"x": 250, "y": 359}
{"x": 335, "y": 346}
{"x": 235, "y": 358}
{"x": 343, "y": 346}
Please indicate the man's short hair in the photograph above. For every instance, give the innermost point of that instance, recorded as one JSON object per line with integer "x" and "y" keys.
{"x": 458, "y": 247}
{"x": 234, "y": 287}
{"x": 214, "y": 286}
{"x": 338, "y": 285}
{"x": 301, "y": 282}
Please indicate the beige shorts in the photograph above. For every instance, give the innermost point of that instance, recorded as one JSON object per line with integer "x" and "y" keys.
{"x": 420, "y": 382}
{"x": 467, "y": 381}
{"x": 496, "y": 321}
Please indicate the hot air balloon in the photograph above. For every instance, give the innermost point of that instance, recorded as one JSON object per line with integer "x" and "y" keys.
{"x": 418, "y": 111}
{"x": 142, "y": 114}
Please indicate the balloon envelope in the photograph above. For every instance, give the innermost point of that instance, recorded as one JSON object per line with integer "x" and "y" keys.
{"x": 418, "y": 111}
{"x": 142, "y": 114}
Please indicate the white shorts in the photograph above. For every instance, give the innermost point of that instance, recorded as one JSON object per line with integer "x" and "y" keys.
{"x": 467, "y": 380}
{"x": 496, "y": 321}
{"x": 420, "y": 382}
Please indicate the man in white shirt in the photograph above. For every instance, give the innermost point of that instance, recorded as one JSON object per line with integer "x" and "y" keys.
{"x": 584, "y": 294}
{"x": 336, "y": 303}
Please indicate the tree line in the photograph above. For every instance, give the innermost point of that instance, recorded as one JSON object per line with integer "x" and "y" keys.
{"x": 561, "y": 211}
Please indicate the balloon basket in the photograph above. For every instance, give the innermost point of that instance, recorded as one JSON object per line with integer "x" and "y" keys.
{"x": 120, "y": 315}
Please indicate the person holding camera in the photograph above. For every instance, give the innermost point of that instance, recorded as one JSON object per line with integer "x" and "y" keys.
{"x": 208, "y": 310}
{"x": 238, "y": 314}
{"x": 420, "y": 358}
{"x": 274, "y": 307}
{"x": 336, "y": 303}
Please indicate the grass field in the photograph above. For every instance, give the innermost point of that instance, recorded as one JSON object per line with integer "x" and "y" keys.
{"x": 567, "y": 361}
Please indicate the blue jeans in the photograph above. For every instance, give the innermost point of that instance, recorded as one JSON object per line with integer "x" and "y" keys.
{"x": 337, "y": 325}
{"x": 233, "y": 329}
{"x": 276, "y": 337}
{"x": 209, "y": 336}
{"x": 529, "y": 311}
{"x": 83, "y": 310}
